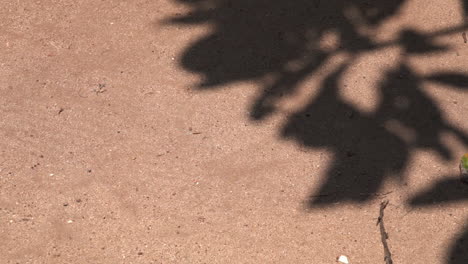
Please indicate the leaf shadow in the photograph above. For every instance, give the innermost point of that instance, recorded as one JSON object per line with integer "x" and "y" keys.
{"x": 281, "y": 40}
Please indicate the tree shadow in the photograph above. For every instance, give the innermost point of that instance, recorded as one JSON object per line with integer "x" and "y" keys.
{"x": 281, "y": 41}
{"x": 255, "y": 38}
{"x": 366, "y": 148}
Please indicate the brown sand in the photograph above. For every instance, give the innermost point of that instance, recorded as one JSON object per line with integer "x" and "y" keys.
{"x": 221, "y": 131}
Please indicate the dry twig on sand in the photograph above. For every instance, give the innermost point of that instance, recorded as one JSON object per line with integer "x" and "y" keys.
{"x": 383, "y": 233}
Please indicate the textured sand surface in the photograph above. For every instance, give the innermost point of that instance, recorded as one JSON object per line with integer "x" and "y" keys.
{"x": 221, "y": 131}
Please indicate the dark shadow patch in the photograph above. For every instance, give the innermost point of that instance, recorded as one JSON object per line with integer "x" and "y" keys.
{"x": 459, "y": 249}
{"x": 449, "y": 190}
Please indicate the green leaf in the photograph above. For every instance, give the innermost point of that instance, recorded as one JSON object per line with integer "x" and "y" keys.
{"x": 464, "y": 161}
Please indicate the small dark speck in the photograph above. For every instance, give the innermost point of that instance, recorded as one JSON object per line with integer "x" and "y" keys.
{"x": 78, "y": 200}
{"x": 307, "y": 115}
{"x": 140, "y": 253}
{"x": 60, "y": 111}
{"x": 89, "y": 171}
{"x": 65, "y": 204}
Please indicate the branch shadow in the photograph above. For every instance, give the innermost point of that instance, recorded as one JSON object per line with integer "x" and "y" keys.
{"x": 281, "y": 40}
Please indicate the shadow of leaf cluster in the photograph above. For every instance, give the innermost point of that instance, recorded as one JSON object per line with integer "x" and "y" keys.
{"x": 278, "y": 39}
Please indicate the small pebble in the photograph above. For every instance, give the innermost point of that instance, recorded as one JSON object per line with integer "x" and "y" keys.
{"x": 343, "y": 259}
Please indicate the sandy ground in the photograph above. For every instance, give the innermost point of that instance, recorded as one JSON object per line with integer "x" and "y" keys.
{"x": 221, "y": 131}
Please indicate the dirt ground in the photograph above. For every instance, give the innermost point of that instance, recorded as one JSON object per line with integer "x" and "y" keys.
{"x": 232, "y": 131}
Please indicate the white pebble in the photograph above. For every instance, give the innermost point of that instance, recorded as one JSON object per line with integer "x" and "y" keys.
{"x": 343, "y": 259}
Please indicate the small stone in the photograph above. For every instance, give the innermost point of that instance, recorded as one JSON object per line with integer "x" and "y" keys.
{"x": 70, "y": 221}
{"x": 343, "y": 259}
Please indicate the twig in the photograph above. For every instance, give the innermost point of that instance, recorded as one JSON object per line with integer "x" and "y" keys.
{"x": 383, "y": 233}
